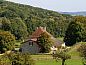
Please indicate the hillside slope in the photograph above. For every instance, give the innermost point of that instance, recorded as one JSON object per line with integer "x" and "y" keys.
{"x": 20, "y": 19}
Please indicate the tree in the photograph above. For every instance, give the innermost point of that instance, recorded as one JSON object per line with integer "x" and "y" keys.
{"x": 15, "y": 26}
{"x": 45, "y": 42}
{"x": 4, "y": 60}
{"x": 6, "y": 24}
{"x": 82, "y": 51}
{"x": 1, "y": 1}
{"x": 84, "y": 35}
{"x": 82, "y": 21}
{"x": 16, "y": 59}
{"x": 18, "y": 28}
{"x": 62, "y": 55}
{"x": 32, "y": 17}
{"x": 7, "y": 41}
{"x": 20, "y": 58}
{"x": 73, "y": 34}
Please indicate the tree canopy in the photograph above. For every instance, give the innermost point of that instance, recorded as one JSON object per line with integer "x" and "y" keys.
{"x": 73, "y": 33}
{"x": 7, "y": 41}
{"x": 82, "y": 21}
{"x": 20, "y": 19}
{"x": 82, "y": 51}
{"x": 16, "y": 59}
{"x": 63, "y": 55}
{"x": 45, "y": 42}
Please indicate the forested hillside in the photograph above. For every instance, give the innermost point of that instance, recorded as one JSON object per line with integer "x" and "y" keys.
{"x": 21, "y": 20}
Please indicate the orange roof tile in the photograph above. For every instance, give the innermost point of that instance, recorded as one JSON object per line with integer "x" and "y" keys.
{"x": 38, "y": 32}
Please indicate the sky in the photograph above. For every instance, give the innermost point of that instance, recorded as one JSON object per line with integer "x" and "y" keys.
{"x": 56, "y": 5}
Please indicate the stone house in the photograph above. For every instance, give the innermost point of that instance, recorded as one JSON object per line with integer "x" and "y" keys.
{"x": 31, "y": 44}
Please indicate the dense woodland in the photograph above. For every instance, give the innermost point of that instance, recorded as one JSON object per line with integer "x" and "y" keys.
{"x": 22, "y": 20}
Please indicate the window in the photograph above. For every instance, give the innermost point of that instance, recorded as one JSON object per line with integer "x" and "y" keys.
{"x": 30, "y": 43}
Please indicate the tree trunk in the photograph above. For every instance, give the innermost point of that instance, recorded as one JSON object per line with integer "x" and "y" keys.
{"x": 63, "y": 61}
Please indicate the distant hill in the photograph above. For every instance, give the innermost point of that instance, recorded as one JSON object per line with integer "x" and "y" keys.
{"x": 83, "y": 13}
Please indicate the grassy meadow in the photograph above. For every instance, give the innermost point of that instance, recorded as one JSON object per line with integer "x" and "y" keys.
{"x": 48, "y": 59}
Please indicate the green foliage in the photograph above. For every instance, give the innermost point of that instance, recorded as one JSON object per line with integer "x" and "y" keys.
{"x": 82, "y": 50}
{"x": 16, "y": 59}
{"x": 62, "y": 55}
{"x": 45, "y": 42}
{"x": 20, "y": 59}
{"x": 6, "y": 41}
{"x": 82, "y": 21}
{"x": 19, "y": 28}
{"x": 4, "y": 60}
{"x": 6, "y": 24}
{"x": 73, "y": 33}
{"x": 1, "y": 1}
{"x": 25, "y": 18}
{"x": 84, "y": 35}
{"x": 15, "y": 26}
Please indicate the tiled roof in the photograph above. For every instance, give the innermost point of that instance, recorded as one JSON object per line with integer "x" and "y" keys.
{"x": 38, "y": 32}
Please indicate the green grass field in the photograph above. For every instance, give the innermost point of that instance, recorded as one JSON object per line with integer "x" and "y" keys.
{"x": 48, "y": 59}
{"x": 53, "y": 62}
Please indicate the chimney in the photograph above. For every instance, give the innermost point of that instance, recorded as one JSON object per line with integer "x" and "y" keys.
{"x": 45, "y": 28}
{"x": 41, "y": 27}
{"x": 36, "y": 27}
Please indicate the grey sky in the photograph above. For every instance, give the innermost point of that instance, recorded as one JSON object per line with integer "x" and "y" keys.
{"x": 56, "y": 5}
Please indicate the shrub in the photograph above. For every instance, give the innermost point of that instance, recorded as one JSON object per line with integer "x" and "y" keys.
{"x": 82, "y": 51}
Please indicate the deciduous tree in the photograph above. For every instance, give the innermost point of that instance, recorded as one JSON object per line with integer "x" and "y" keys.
{"x": 20, "y": 59}
{"x": 45, "y": 42}
{"x": 62, "y": 55}
{"x": 7, "y": 41}
{"x": 82, "y": 51}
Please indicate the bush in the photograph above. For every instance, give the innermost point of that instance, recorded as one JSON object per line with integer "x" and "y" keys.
{"x": 82, "y": 51}
{"x": 20, "y": 59}
{"x": 16, "y": 59}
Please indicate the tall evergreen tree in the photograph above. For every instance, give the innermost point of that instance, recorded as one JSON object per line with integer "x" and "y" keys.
{"x": 73, "y": 34}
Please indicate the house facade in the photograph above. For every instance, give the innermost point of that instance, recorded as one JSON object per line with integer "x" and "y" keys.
{"x": 31, "y": 44}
